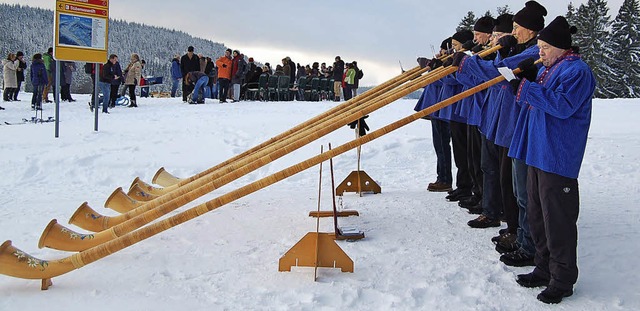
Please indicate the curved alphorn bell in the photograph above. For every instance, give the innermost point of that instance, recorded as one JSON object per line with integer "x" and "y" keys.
{"x": 149, "y": 188}
{"x": 121, "y": 202}
{"x": 14, "y": 262}
{"x": 138, "y": 221}
{"x": 137, "y": 193}
{"x": 164, "y": 178}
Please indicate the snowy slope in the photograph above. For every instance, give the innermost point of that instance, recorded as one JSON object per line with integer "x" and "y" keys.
{"x": 418, "y": 253}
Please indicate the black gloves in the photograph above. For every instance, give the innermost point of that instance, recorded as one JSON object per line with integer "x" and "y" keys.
{"x": 468, "y": 45}
{"x": 224, "y": 65}
{"x": 457, "y": 58}
{"x": 528, "y": 69}
{"x": 515, "y": 84}
{"x": 508, "y": 41}
{"x": 476, "y": 49}
{"x": 448, "y": 62}
{"x": 363, "y": 126}
{"x": 422, "y": 61}
{"x": 434, "y": 63}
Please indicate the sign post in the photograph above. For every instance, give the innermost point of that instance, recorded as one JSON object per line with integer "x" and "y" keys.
{"x": 81, "y": 34}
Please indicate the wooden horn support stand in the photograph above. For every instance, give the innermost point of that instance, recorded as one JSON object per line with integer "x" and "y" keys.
{"x": 316, "y": 249}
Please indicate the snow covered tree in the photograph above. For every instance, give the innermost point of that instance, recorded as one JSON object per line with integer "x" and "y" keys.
{"x": 624, "y": 44}
{"x": 467, "y": 22}
{"x": 592, "y": 21}
{"x": 571, "y": 14}
{"x": 504, "y": 10}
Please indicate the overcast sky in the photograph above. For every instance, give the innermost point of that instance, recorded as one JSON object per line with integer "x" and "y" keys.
{"x": 378, "y": 34}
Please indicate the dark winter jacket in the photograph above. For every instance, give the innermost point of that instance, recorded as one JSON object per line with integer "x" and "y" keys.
{"x": 338, "y": 70}
{"x": 194, "y": 76}
{"x": 210, "y": 71}
{"x": 189, "y": 64}
{"x": 238, "y": 69}
{"x": 175, "y": 69}
{"x": 22, "y": 65}
{"x": 117, "y": 71}
{"x": 38, "y": 73}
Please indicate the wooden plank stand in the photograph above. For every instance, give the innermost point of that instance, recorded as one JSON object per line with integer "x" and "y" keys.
{"x": 358, "y": 182}
{"x": 318, "y": 249}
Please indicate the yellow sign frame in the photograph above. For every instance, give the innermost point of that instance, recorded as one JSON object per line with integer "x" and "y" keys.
{"x": 93, "y": 15}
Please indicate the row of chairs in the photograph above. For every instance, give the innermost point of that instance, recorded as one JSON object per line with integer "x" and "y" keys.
{"x": 270, "y": 88}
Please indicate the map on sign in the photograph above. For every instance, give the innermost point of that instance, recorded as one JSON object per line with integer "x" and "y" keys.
{"x": 81, "y": 30}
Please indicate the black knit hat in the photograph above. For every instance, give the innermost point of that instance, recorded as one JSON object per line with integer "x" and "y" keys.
{"x": 484, "y": 24}
{"x": 446, "y": 44}
{"x": 463, "y": 36}
{"x": 20, "y": 53}
{"x": 504, "y": 23}
{"x": 532, "y": 16}
{"x": 558, "y": 33}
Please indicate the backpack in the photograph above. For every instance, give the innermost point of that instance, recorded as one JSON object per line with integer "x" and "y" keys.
{"x": 88, "y": 68}
{"x": 359, "y": 74}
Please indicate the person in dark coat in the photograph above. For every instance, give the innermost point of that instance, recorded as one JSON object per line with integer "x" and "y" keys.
{"x": 188, "y": 63}
{"x": 338, "y": 71}
{"x": 22, "y": 66}
{"x": 116, "y": 70}
{"x": 39, "y": 80}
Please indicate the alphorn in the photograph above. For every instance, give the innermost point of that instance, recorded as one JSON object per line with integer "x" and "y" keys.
{"x": 58, "y": 237}
{"x": 128, "y": 203}
{"x": 90, "y": 218}
{"x": 16, "y": 263}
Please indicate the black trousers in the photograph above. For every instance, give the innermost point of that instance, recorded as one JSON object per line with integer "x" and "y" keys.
{"x": 17, "y": 90}
{"x": 553, "y": 213}
{"x": 459, "y": 142}
{"x": 224, "y": 88}
{"x": 474, "y": 155}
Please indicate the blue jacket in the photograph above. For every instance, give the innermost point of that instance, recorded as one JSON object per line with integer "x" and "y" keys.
{"x": 450, "y": 87}
{"x": 501, "y": 113}
{"x": 39, "y": 73}
{"x": 176, "y": 73}
{"x": 555, "y": 114}
{"x": 430, "y": 96}
{"x": 116, "y": 70}
{"x": 471, "y": 107}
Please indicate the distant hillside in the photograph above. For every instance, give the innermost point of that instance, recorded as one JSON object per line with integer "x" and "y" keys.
{"x": 30, "y": 30}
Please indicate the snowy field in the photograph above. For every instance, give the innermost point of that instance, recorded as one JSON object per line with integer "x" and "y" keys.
{"x": 418, "y": 253}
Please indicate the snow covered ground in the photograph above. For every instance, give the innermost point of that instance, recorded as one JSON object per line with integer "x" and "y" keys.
{"x": 418, "y": 253}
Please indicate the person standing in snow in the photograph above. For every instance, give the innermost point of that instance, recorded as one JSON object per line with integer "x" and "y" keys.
{"x": 39, "y": 80}
{"x": 551, "y": 137}
{"x": 68, "y": 68}
{"x": 338, "y": 72}
{"x": 133, "y": 73}
{"x": 49, "y": 64}
{"x": 22, "y": 66}
{"x": 188, "y": 63}
{"x": 176, "y": 74}
{"x": 10, "y": 65}
{"x": 238, "y": 71}
{"x": 224, "y": 74}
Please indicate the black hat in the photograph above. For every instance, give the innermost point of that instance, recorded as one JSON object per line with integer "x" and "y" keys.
{"x": 190, "y": 49}
{"x": 484, "y": 24}
{"x": 19, "y": 54}
{"x": 504, "y": 23}
{"x": 446, "y": 44}
{"x": 463, "y": 36}
{"x": 558, "y": 33}
{"x": 532, "y": 16}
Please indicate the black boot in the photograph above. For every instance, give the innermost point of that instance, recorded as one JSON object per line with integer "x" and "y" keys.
{"x": 133, "y": 104}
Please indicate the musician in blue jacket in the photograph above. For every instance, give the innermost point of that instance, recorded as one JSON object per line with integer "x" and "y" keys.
{"x": 551, "y": 137}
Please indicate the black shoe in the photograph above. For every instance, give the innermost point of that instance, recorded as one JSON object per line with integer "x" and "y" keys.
{"x": 507, "y": 244}
{"x": 48, "y": 101}
{"x": 71, "y": 100}
{"x": 1, "y": 108}
{"x": 517, "y": 259}
{"x": 483, "y": 222}
{"x": 470, "y": 201}
{"x": 476, "y": 210}
{"x": 458, "y": 195}
{"x": 91, "y": 107}
{"x": 531, "y": 280}
{"x": 554, "y": 295}
{"x": 504, "y": 234}
{"x": 107, "y": 112}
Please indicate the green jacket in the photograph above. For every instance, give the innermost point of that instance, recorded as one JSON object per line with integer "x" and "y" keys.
{"x": 47, "y": 59}
{"x": 351, "y": 76}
